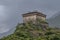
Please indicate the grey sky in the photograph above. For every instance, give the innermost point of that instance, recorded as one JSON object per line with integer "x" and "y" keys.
{"x": 11, "y": 10}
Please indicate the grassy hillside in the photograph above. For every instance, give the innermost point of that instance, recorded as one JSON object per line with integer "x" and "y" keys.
{"x": 30, "y": 31}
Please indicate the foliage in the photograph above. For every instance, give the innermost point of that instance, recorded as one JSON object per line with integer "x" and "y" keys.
{"x": 30, "y": 31}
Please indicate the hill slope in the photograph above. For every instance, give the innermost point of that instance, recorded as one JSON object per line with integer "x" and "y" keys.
{"x": 55, "y": 20}
{"x": 31, "y": 31}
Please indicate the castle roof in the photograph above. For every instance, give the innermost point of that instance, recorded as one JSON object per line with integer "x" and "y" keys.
{"x": 34, "y": 13}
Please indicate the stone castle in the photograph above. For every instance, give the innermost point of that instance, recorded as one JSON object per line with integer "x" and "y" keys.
{"x": 33, "y": 16}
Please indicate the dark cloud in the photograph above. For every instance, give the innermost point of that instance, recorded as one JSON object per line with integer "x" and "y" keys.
{"x": 14, "y": 8}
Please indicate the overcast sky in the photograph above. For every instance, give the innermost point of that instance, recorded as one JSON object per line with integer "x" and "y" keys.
{"x": 11, "y": 10}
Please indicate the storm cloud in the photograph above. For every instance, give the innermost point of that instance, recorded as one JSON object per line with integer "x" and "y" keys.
{"x": 11, "y": 10}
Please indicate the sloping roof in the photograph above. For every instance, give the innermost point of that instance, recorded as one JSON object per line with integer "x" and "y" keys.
{"x": 34, "y": 13}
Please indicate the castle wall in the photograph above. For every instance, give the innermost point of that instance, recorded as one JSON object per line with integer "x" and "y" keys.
{"x": 29, "y": 18}
{"x": 42, "y": 18}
